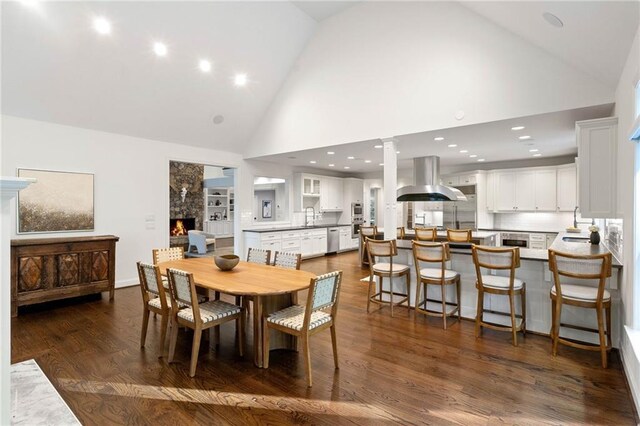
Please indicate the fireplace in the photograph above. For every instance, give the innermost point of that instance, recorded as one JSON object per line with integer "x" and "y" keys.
{"x": 179, "y": 227}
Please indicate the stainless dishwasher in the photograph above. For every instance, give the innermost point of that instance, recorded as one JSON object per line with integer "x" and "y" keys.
{"x": 333, "y": 240}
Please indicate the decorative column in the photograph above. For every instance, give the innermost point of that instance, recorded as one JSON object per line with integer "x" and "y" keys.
{"x": 9, "y": 187}
{"x": 390, "y": 188}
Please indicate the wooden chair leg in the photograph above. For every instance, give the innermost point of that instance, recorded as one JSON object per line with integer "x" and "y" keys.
{"x": 307, "y": 358}
{"x": 334, "y": 342}
{"x": 479, "y": 310}
{"x": 390, "y": 293}
{"x": 417, "y": 305}
{"x": 556, "y": 326}
{"x": 608, "y": 316}
{"x": 553, "y": 320}
{"x": 523, "y": 300}
{"x": 163, "y": 332}
{"x": 265, "y": 343}
{"x": 145, "y": 325}
{"x": 173, "y": 340}
{"x": 240, "y": 328}
{"x": 514, "y": 330}
{"x": 408, "y": 294}
{"x": 459, "y": 298}
{"x": 369, "y": 292}
{"x": 443, "y": 292}
{"x": 195, "y": 349}
{"x": 601, "y": 334}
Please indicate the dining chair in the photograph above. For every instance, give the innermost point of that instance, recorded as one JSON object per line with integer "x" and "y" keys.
{"x": 426, "y": 234}
{"x": 386, "y": 250}
{"x": 400, "y": 232}
{"x": 366, "y": 232}
{"x": 287, "y": 260}
{"x": 154, "y": 299}
{"x": 459, "y": 235}
{"x": 438, "y": 254}
{"x": 506, "y": 259}
{"x": 174, "y": 253}
{"x": 581, "y": 268}
{"x": 198, "y": 316}
{"x": 254, "y": 255}
{"x": 305, "y": 321}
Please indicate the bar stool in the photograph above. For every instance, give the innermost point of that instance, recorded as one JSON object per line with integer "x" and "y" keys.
{"x": 583, "y": 267}
{"x": 366, "y": 232}
{"x": 400, "y": 232}
{"x": 386, "y": 249}
{"x": 426, "y": 234}
{"x": 500, "y": 259}
{"x": 459, "y": 235}
{"x": 435, "y": 253}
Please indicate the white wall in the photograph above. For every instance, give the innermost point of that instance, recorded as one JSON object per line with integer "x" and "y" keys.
{"x": 131, "y": 180}
{"x": 381, "y": 69}
{"x": 628, "y": 173}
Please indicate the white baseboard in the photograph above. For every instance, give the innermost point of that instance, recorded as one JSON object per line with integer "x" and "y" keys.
{"x": 127, "y": 283}
{"x": 630, "y": 354}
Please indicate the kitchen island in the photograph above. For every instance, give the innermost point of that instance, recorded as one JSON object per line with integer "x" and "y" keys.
{"x": 534, "y": 271}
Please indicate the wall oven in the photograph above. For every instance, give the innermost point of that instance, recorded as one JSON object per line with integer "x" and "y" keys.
{"x": 357, "y": 210}
{"x": 515, "y": 240}
{"x": 355, "y": 230}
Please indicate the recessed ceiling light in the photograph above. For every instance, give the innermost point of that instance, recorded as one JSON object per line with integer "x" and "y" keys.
{"x": 367, "y": 161}
{"x": 380, "y": 164}
{"x": 438, "y": 138}
{"x": 473, "y": 156}
{"x": 160, "y": 49}
{"x": 219, "y": 119}
{"x": 481, "y": 159}
{"x": 524, "y": 138}
{"x": 347, "y": 167}
{"x": 350, "y": 158}
{"x": 204, "y": 65}
{"x": 313, "y": 161}
{"x": 330, "y": 152}
{"x": 533, "y": 150}
{"x": 463, "y": 151}
{"x": 240, "y": 79}
{"x": 377, "y": 146}
{"x": 553, "y": 19}
{"x": 331, "y": 165}
{"x": 102, "y": 26}
{"x": 452, "y": 145}
{"x": 517, "y": 128}
{"x": 397, "y": 152}
{"x": 537, "y": 155}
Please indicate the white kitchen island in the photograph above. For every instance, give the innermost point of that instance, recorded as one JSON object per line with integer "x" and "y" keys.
{"x": 534, "y": 271}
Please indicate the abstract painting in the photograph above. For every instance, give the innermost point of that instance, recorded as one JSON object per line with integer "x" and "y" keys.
{"x": 56, "y": 202}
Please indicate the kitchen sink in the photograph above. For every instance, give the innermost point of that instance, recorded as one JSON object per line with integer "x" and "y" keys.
{"x": 576, "y": 239}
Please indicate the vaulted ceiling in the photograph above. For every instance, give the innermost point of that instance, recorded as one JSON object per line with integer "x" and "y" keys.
{"x": 56, "y": 68}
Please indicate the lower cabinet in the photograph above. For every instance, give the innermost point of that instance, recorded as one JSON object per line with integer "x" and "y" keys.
{"x": 312, "y": 242}
{"x": 46, "y": 269}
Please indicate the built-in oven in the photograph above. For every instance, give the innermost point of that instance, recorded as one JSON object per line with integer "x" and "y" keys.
{"x": 515, "y": 240}
{"x": 355, "y": 229}
{"x": 357, "y": 210}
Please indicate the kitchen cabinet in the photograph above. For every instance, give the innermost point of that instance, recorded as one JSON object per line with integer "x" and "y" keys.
{"x": 218, "y": 211}
{"x": 346, "y": 242}
{"x": 566, "y": 188}
{"x": 545, "y": 190}
{"x": 491, "y": 191}
{"x": 597, "y": 155}
{"x": 219, "y": 228}
{"x": 308, "y": 242}
{"x": 320, "y": 242}
{"x": 456, "y": 180}
{"x": 505, "y": 191}
{"x": 331, "y": 195}
{"x": 311, "y": 186}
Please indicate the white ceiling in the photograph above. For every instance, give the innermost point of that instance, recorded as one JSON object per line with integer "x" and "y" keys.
{"x": 596, "y": 36}
{"x": 56, "y": 68}
{"x": 552, "y": 134}
{"x": 321, "y": 10}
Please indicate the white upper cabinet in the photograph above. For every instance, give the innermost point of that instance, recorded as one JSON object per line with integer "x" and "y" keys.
{"x": 525, "y": 190}
{"x": 597, "y": 154}
{"x": 331, "y": 194}
{"x": 310, "y": 186}
{"x": 491, "y": 191}
{"x": 545, "y": 195}
{"x": 567, "y": 188}
{"x": 505, "y": 195}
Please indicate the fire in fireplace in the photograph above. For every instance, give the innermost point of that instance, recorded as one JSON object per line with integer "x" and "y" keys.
{"x": 181, "y": 226}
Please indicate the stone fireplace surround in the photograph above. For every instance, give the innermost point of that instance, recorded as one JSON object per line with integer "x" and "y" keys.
{"x": 190, "y": 177}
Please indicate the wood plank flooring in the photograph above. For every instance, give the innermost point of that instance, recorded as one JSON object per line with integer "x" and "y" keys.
{"x": 393, "y": 370}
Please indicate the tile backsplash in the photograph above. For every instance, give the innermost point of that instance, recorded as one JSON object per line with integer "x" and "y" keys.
{"x": 550, "y": 222}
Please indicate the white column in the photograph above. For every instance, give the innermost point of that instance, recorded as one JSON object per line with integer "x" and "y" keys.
{"x": 390, "y": 188}
{"x": 9, "y": 187}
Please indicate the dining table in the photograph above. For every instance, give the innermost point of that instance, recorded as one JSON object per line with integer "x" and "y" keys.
{"x": 271, "y": 288}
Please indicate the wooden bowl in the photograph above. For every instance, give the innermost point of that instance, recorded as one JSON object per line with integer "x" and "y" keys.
{"x": 226, "y": 262}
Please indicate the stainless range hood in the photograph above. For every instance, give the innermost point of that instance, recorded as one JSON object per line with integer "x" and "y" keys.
{"x": 426, "y": 179}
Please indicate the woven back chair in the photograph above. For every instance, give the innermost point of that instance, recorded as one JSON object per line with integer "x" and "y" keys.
{"x": 400, "y": 233}
{"x": 426, "y": 234}
{"x": 287, "y": 260}
{"x": 256, "y": 255}
{"x": 154, "y": 299}
{"x": 167, "y": 254}
{"x": 459, "y": 235}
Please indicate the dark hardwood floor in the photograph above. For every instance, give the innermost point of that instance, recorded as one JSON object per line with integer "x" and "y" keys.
{"x": 393, "y": 370}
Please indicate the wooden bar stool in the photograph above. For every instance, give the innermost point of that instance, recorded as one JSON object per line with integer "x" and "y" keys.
{"x": 400, "y": 232}
{"x": 459, "y": 235}
{"x": 435, "y": 253}
{"x": 386, "y": 249}
{"x": 500, "y": 259}
{"x": 585, "y": 267}
{"x": 366, "y": 232}
{"x": 426, "y": 234}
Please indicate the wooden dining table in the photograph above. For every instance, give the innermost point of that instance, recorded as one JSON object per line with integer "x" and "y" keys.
{"x": 271, "y": 288}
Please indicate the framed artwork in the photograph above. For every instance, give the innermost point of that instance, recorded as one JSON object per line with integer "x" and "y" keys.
{"x": 266, "y": 209}
{"x": 56, "y": 202}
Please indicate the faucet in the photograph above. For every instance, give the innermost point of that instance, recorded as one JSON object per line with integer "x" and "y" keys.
{"x": 306, "y": 216}
{"x": 575, "y": 218}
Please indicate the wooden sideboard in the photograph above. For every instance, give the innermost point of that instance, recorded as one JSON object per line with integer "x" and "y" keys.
{"x": 46, "y": 269}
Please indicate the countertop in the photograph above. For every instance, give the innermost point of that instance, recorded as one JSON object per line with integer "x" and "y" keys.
{"x": 294, "y": 228}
